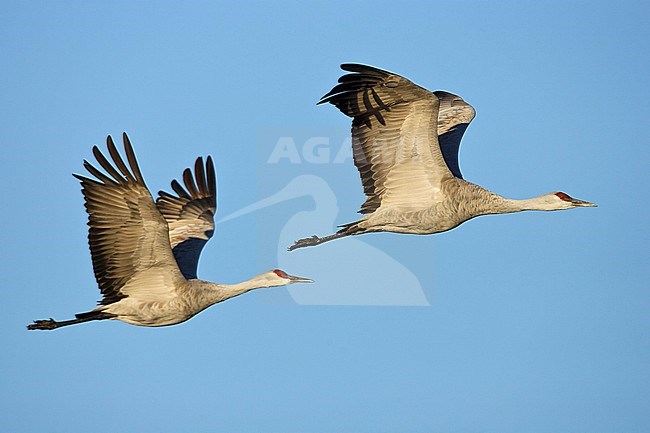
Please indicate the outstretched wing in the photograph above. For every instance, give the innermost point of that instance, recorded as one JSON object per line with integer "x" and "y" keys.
{"x": 394, "y": 138}
{"x": 190, "y": 214}
{"x": 454, "y": 117}
{"x": 128, "y": 237}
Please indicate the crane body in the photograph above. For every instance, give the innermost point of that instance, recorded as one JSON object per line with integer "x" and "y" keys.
{"x": 144, "y": 253}
{"x": 405, "y": 142}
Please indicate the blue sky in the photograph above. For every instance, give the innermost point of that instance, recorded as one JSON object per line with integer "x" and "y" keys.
{"x": 533, "y": 322}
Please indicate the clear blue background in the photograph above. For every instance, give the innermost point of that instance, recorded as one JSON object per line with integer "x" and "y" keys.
{"x": 538, "y": 321}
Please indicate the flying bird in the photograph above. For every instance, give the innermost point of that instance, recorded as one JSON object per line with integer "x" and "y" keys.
{"x": 405, "y": 142}
{"x": 145, "y": 254}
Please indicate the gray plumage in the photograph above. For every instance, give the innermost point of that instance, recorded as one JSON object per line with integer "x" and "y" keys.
{"x": 145, "y": 254}
{"x": 405, "y": 142}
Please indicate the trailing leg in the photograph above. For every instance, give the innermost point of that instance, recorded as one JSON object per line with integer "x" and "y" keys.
{"x": 49, "y": 324}
{"x": 347, "y": 230}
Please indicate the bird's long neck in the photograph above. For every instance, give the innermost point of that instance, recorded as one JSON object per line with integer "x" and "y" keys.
{"x": 471, "y": 200}
{"x": 496, "y": 204}
{"x": 213, "y": 292}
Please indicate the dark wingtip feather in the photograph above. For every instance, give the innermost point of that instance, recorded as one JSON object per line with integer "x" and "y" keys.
{"x": 211, "y": 178}
{"x": 178, "y": 189}
{"x": 209, "y": 163}
{"x": 130, "y": 156}
{"x": 359, "y": 68}
{"x": 79, "y": 177}
{"x": 362, "y": 77}
{"x": 332, "y": 98}
{"x": 188, "y": 180}
{"x": 199, "y": 174}
{"x": 86, "y": 181}
{"x": 98, "y": 174}
{"x": 119, "y": 162}
{"x": 105, "y": 163}
{"x": 341, "y": 88}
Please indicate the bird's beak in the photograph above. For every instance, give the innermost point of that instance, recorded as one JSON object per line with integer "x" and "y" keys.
{"x": 577, "y": 202}
{"x": 295, "y": 279}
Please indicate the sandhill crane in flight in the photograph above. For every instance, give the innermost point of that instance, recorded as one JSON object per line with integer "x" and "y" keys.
{"x": 145, "y": 254}
{"x": 405, "y": 143}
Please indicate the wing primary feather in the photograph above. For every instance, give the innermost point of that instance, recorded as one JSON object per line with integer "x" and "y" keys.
{"x": 340, "y": 88}
{"x": 199, "y": 174}
{"x": 355, "y": 67}
{"x": 107, "y": 165}
{"x": 212, "y": 178}
{"x": 325, "y": 99}
{"x": 130, "y": 156}
{"x": 165, "y": 194}
{"x": 188, "y": 180}
{"x": 98, "y": 174}
{"x": 119, "y": 162}
{"x": 178, "y": 189}
{"x": 84, "y": 179}
{"x": 355, "y": 78}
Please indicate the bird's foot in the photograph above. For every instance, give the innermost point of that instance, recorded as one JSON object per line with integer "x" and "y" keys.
{"x": 305, "y": 242}
{"x": 44, "y": 324}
